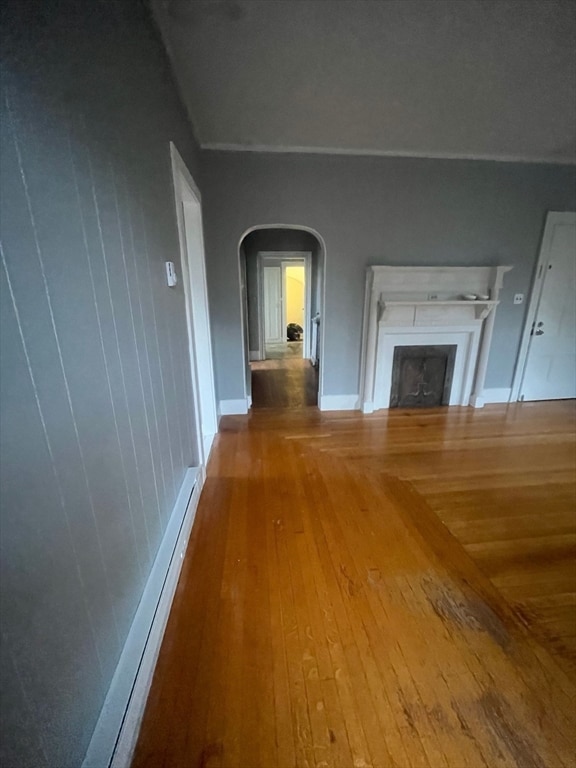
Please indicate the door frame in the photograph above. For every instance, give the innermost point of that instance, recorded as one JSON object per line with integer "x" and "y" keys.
{"x": 552, "y": 219}
{"x": 281, "y": 257}
{"x": 263, "y": 305}
{"x": 188, "y": 202}
{"x": 246, "y": 403}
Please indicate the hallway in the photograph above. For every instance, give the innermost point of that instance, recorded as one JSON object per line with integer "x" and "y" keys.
{"x": 326, "y": 617}
{"x": 285, "y": 379}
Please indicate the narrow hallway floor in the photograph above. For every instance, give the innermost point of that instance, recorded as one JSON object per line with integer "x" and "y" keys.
{"x": 285, "y": 379}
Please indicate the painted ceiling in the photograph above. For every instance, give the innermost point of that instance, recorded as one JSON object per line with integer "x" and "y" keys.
{"x": 489, "y": 79}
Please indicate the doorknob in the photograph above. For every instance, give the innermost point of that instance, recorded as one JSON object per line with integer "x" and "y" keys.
{"x": 539, "y": 333}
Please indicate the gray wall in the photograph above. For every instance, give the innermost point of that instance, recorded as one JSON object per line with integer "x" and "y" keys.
{"x": 96, "y": 427}
{"x": 376, "y": 211}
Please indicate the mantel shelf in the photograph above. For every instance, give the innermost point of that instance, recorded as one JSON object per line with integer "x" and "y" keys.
{"x": 434, "y": 302}
{"x": 483, "y": 307}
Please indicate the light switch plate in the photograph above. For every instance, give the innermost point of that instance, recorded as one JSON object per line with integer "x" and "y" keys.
{"x": 171, "y": 276}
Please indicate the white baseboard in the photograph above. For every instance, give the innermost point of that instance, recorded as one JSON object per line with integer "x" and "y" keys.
{"x": 497, "y": 395}
{"x": 233, "y": 407}
{"x": 338, "y": 402}
{"x": 254, "y": 354}
{"x": 116, "y": 731}
{"x": 207, "y": 443}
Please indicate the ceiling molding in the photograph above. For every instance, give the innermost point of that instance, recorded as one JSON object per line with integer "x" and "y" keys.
{"x": 449, "y": 79}
{"x": 267, "y": 148}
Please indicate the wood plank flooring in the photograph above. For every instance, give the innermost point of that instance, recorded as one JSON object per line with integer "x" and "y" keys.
{"x": 290, "y": 382}
{"x": 326, "y": 616}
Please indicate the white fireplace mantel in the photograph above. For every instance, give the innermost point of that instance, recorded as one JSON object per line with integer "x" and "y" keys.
{"x": 426, "y": 305}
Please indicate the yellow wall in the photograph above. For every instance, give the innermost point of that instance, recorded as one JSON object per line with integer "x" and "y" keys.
{"x": 295, "y": 295}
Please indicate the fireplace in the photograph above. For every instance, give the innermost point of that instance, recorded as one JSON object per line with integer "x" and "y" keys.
{"x": 427, "y": 307}
{"x": 422, "y": 376}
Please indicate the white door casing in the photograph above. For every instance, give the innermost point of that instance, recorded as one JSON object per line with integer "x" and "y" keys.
{"x": 273, "y": 312}
{"x": 189, "y": 219}
{"x": 549, "y": 371}
{"x": 283, "y": 259}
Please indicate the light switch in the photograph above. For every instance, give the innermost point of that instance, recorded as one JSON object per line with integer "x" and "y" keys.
{"x": 171, "y": 276}
{"x": 518, "y": 298}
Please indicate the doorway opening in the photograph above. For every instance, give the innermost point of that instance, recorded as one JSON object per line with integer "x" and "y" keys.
{"x": 282, "y": 280}
{"x": 285, "y": 303}
{"x": 546, "y": 365}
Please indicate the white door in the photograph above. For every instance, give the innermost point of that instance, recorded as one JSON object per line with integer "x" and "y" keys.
{"x": 273, "y": 325}
{"x": 550, "y": 371}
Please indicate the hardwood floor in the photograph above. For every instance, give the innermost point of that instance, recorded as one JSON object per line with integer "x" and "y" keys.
{"x": 283, "y": 350}
{"x": 285, "y": 382}
{"x": 326, "y": 616}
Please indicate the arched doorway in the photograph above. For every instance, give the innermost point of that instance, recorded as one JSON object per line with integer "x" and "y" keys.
{"x": 282, "y": 271}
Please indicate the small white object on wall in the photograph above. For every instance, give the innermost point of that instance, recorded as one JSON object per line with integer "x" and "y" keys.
{"x": 171, "y": 276}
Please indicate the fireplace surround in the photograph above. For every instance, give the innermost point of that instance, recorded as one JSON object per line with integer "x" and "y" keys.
{"x": 428, "y": 306}
{"x": 422, "y": 376}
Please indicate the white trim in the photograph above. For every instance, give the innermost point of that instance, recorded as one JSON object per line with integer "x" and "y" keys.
{"x": 254, "y": 355}
{"x": 497, "y": 395}
{"x": 261, "y": 312}
{"x": 207, "y": 442}
{"x": 188, "y": 207}
{"x": 116, "y": 731}
{"x": 316, "y": 320}
{"x": 464, "y": 337}
{"x": 233, "y": 407}
{"x": 338, "y": 402}
{"x": 552, "y": 219}
{"x": 283, "y": 149}
{"x": 323, "y": 324}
